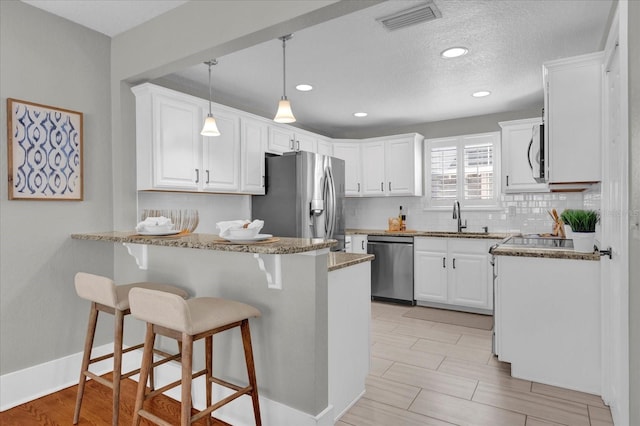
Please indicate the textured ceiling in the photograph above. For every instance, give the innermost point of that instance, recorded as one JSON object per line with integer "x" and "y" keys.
{"x": 399, "y": 77}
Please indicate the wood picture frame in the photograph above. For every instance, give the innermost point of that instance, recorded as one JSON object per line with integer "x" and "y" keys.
{"x": 45, "y": 152}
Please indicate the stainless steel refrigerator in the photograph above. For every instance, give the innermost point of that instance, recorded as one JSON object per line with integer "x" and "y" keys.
{"x": 304, "y": 197}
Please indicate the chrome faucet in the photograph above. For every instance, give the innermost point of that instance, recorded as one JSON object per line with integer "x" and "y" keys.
{"x": 456, "y": 215}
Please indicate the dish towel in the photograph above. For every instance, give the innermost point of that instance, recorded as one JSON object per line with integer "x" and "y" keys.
{"x": 152, "y": 222}
{"x": 223, "y": 227}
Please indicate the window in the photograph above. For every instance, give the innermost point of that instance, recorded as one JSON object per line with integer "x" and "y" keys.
{"x": 463, "y": 169}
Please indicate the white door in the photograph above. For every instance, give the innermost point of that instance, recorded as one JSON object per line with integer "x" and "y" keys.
{"x": 373, "y": 173}
{"x": 325, "y": 147}
{"x": 430, "y": 270}
{"x": 176, "y": 144}
{"x": 305, "y": 143}
{"x": 253, "y": 135}
{"x": 615, "y": 231}
{"x": 400, "y": 166}
{"x": 221, "y": 159}
{"x": 280, "y": 140}
{"x": 468, "y": 280}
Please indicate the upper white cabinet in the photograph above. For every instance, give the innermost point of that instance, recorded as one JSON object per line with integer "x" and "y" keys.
{"x": 254, "y": 135}
{"x": 349, "y": 151}
{"x": 325, "y": 147}
{"x": 220, "y": 168}
{"x": 388, "y": 166}
{"x": 517, "y": 155}
{"x": 283, "y": 140}
{"x": 573, "y": 118}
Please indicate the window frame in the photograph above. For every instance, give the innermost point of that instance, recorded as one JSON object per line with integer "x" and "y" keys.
{"x": 460, "y": 142}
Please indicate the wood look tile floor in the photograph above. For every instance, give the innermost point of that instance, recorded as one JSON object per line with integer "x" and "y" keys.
{"x": 429, "y": 373}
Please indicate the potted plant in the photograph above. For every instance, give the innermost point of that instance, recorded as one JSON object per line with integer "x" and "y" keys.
{"x": 583, "y": 225}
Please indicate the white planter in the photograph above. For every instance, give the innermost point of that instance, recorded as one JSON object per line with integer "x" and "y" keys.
{"x": 568, "y": 232}
{"x": 583, "y": 241}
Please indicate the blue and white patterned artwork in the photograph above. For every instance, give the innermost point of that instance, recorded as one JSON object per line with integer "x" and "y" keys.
{"x": 45, "y": 152}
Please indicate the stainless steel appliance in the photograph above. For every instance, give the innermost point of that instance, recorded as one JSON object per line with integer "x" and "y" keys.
{"x": 392, "y": 269}
{"x": 304, "y": 197}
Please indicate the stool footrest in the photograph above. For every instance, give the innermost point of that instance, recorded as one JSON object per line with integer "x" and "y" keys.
{"x": 150, "y": 416}
{"x": 226, "y": 384}
{"x": 172, "y": 385}
{"x": 99, "y": 379}
{"x": 224, "y": 401}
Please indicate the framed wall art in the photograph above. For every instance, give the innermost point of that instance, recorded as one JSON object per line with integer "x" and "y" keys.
{"x": 45, "y": 152}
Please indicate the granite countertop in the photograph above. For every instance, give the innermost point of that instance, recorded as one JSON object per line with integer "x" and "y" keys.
{"x": 211, "y": 242}
{"x": 436, "y": 234}
{"x": 338, "y": 260}
{"x": 544, "y": 253}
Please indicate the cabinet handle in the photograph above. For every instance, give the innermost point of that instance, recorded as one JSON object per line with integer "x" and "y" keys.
{"x": 507, "y": 180}
{"x": 358, "y": 186}
{"x": 382, "y": 186}
{"x": 363, "y": 245}
{"x": 197, "y": 175}
{"x": 454, "y": 263}
{"x": 297, "y": 145}
{"x": 444, "y": 262}
{"x": 291, "y": 144}
{"x": 207, "y": 176}
{"x": 263, "y": 181}
{"x": 389, "y": 186}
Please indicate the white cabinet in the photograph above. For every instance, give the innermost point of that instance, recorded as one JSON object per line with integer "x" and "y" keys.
{"x": 453, "y": 271}
{"x": 573, "y": 118}
{"x": 392, "y": 166}
{"x": 547, "y": 320}
{"x": 350, "y": 153}
{"x": 220, "y": 167}
{"x": 253, "y": 136}
{"x": 283, "y": 140}
{"x": 358, "y": 243}
{"x": 516, "y": 145}
{"x": 325, "y": 147}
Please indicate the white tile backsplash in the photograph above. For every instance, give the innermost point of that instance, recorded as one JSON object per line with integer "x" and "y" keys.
{"x": 525, "y": 213}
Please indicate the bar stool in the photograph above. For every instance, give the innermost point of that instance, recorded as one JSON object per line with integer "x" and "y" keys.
{"x": 187, "y": 321}
{"x": 107, "y": 297}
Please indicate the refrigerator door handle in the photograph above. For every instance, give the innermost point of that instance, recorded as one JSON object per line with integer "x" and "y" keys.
{"x": 330, "y": 197}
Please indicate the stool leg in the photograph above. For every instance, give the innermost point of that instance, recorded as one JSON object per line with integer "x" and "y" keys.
{"x": 117, "y": 363}
{"x": 187, "y": 376}
{"x": 208, "y": 341}
{"x": 147, "y": 360}
{"x": 251, "y": 370}
{"x": 88, "y": 345}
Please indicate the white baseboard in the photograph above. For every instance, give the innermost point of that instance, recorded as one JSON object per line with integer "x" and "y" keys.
{"x": 34, "y": 382}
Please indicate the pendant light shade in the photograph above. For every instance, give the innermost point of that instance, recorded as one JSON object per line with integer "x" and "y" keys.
{"x": 284, "y": 114}
{"x": 210, "y": 127}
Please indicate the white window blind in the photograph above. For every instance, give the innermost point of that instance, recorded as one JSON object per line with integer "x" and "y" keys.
{"x": 463, "y": 169}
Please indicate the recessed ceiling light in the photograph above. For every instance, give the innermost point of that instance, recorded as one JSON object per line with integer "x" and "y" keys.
{"x": 454, "y": 52}
{"x": 360, "y": 114}
{"x": 481, "y": 94}
{"x": 304, "y": 87}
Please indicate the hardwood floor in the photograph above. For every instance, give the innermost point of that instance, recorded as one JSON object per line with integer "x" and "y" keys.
{"x": 57, "y": 408}
{"x": 429, "y": 373}
{"x": 422, "y": 373}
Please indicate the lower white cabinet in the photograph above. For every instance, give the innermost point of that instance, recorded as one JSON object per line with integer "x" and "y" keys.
{"x": 453, "y": 271}
{"x": 547, "y": 320}
{"x": 358, "y": 244}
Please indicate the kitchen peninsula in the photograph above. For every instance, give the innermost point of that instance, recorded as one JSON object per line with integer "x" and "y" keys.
{"x": 312, "y": 342}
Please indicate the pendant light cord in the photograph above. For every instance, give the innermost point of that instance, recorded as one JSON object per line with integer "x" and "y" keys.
{"x": 284, "y": 68}
{"x": 210, "y": 88}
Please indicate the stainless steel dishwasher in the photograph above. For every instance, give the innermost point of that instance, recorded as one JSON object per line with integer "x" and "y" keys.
{"x": 392, "y": 269}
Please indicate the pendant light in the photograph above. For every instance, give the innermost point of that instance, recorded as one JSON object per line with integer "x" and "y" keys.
{"x": 284, "y": 114}
{"x": 210, "y": 127}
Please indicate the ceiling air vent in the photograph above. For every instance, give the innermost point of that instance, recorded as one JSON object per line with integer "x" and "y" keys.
{"x": 415, "y": 15}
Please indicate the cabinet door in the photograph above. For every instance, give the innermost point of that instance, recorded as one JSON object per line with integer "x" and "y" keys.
{"x": 373, "y": 169}
{"x": 253, "y": 135}
{"x": 430, "y": 270}
{"x": 350, "y": 153}
{"x": 516, "y": 143}
{"x": 400, "y": 161}
{"x": 305, "y": 143}
{"x": 358, "y": 244}
{"x": 573, "y": 98}
{"x": 325, "y": 147}
{"x": 468, "y": 274}
{"x": 221, "y": 155}
{"x": 176, "y": 144}
{"x": 280, "y": 140}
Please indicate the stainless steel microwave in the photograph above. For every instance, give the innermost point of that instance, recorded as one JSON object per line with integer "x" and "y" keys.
{"x": 536, "y": 154}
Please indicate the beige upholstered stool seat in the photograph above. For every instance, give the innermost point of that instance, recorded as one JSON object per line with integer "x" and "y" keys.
{"x": 186, "y": 321}
{"x": 113, "y": 299}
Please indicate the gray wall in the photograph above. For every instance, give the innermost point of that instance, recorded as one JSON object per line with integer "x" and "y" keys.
{"x": 634, "y": 207}
{"x": 48, "y": 60}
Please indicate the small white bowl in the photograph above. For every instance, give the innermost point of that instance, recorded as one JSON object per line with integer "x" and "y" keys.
{"x": 243, "y": 232}
{"x": 158, "y": 228}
